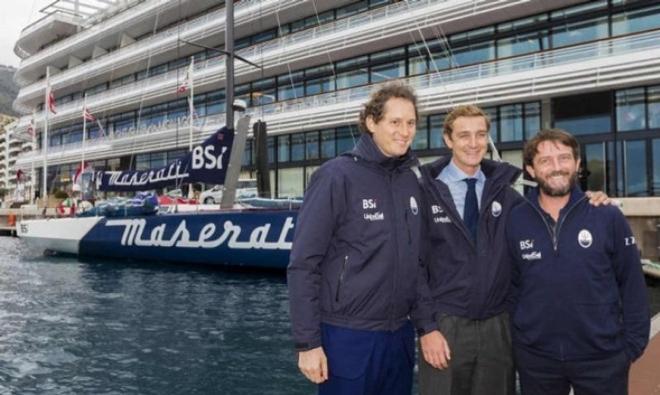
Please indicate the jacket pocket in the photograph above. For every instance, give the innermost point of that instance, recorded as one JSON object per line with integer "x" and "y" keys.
{"x": 342, "y": 276}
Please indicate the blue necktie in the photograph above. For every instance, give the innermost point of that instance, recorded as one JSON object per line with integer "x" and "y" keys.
{"x": 471, "y": 209}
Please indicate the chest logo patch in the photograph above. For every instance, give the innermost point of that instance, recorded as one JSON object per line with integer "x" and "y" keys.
{"x": 413, "y": 205}
{"x": 585, "y": 239}
{"x": 496, "y": 209}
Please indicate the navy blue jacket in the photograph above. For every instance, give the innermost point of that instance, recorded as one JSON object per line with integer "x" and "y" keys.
{"x": 463, "y": 278}
{"x": 355, "y": 254}
{"x": 578, "y": 287}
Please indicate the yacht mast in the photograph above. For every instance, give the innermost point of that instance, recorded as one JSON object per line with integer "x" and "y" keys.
{"x": 229, "y": 48}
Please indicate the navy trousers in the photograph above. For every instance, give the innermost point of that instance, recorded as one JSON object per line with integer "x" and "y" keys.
{"x": 362, "y": 362}
{"x": 544, "y": 376}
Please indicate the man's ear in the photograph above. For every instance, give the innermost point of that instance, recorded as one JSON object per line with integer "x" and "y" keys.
{"x": 530, "y": 171}
{"x": 371, "y": 125}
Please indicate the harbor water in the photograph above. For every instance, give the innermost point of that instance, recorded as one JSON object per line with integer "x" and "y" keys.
{"x": 70, "y": 327}
{"x": 111, "y": 327}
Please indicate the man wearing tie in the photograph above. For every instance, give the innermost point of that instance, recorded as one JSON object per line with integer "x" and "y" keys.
{"x": 464, "y": 328}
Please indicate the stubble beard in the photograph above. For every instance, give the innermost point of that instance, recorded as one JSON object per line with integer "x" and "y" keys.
{"x": 557, "y": 192}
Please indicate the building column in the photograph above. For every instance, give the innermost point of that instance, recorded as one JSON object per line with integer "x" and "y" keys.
{"x": 546, "y": 113}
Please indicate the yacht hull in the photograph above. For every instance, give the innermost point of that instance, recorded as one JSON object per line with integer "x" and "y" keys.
{"x": 247, "y": 238}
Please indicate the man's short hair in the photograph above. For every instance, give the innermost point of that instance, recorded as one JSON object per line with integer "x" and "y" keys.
{"x": 464, "y": 110}
{"x": 556, "y": 135}
{"x": 375, "y": 107}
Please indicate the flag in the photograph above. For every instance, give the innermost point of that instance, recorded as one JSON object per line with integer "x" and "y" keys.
{"x": 50, "y": 98}
{"x": 19, "y": 175}
{"x": 31, "y": 129}
{"x": 188, "y": 79}
{"x": 82, "y": 167}
{"x": 88, "y": 115}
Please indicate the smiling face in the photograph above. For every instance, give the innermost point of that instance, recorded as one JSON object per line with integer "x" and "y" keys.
{"x": 395, "y": 131}
{"x": 468, "y": 142}
{"x": 555, "y": 168}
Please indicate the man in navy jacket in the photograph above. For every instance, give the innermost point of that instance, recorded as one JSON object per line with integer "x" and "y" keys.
{"x": 580, "y": 309}
{"x": 355, "y": 258}
{"x": 465, "y": 339}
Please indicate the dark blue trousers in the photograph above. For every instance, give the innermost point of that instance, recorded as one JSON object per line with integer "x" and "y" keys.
{"x": 544, "y": 376}
{"x": 364, "y": 362}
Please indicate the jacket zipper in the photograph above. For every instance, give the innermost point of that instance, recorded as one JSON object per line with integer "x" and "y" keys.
{"x": 408, "y": 227}
{"x": 396, "y": 260}
{"x": 554, "y": 231}
{"x": 341, "y": 277}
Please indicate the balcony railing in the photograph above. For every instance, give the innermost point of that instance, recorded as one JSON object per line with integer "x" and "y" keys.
{"x": 271, "y": 51}
{"x": 522, "y": 75}
{"x": 475, "y": 74}
{"x": 206, "y": 25}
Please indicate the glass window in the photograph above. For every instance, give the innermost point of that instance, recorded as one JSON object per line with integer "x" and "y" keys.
{"x": 290, "y": 182}
{"x": 475, "y": 53}
{"x": 579, "y": 32}
{"x": 289, "y": 91}
{"x": 592, "y": 174}
{"x": 320, "y": 85}
{"x": 435, "y": 130}
{"x": 583, "y": 114}
{"x": 532, "y": 119}
{"x": 328, "y": 149}
{"x": 270, "y": 146}
{"x": 441, "y": 58}
{"x": 247, "y": 154}
{"x": 635, "y": 168}
{"x": 388, "y": 71}
{"x": 521, "y": 44}
{"x": 312, "y": 145}
{"x": 158, "y": 159}
{"x": 346, "y": 138}
{"x": 511, "y": 122}
{"x": 636, "y": 21}
{"x": 630, "y": 110}
{"x": 215, "y": 103}
{"x": 418, "y": 59}
{"x": 352, "y": 9}
{"x": 522, "y": 23}
{"x": 421, "y": 140}
{"x": 298, "y": 146}
{"x": 656, "y": 167}
{"x": 353, "y": 78}
{"x": 283, "y": 146}
{"x": 654, "y": 107}
{"x": 160, "y": 69}
{"x": 494, "y": 124}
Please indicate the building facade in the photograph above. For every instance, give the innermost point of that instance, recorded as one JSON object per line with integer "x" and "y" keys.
{"x": 590, "y": 67}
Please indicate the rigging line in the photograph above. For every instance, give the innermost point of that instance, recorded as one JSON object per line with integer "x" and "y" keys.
{"x": 444, "y": 42}
{"x": 139, "y": 115}
{"x": 332, "y": 67}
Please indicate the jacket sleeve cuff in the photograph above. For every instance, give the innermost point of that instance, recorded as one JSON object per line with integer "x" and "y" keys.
{"x": 306, "y": 346}
{"x": 425, "y": 327}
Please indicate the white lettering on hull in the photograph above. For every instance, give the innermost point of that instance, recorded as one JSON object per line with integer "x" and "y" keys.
{"x": 208, "y": 237}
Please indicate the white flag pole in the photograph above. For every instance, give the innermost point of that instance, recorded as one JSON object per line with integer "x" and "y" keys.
{"x": 44, "y": 148}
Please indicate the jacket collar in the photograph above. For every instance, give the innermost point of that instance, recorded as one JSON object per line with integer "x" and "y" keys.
{"x": 576, "y": 196}
{"x": 495, "y": 172}
{"x": 367, "y": 150}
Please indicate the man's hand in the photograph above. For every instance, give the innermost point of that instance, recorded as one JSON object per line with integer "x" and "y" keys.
{"x": 435, "y": 349}
{"x": 314, "y": 365}
{"x": 599, "y": 197}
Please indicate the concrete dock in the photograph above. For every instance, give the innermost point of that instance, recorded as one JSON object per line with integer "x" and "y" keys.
{"x": 645, "y": 372}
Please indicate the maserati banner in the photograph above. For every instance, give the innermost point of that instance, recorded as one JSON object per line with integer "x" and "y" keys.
{"x": 206, "y": 163}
